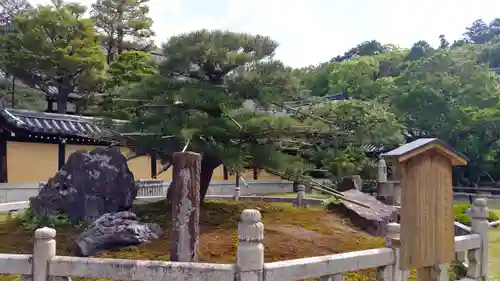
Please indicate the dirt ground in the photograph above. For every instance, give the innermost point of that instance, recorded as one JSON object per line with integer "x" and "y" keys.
{"x": 289, "y": 233}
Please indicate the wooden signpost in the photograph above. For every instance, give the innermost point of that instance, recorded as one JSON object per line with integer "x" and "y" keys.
{"x": 427, "y": 232}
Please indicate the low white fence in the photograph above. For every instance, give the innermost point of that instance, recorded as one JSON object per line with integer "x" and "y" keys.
{"x": 12, "y": 192}
{"x": 300, "y": 200}
{"x": 44, "y": 264}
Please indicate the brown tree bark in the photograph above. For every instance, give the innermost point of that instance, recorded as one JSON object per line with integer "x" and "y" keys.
{"x": 185, "y": 206}
{"x": 208, "y": 165}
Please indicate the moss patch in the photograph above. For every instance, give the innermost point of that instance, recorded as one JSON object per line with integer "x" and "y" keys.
{"x": 288, "y": 235}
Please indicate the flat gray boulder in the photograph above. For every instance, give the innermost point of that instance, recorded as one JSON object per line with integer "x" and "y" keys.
{"x": 114, "y": 231}
{"x": 373, "y": 219}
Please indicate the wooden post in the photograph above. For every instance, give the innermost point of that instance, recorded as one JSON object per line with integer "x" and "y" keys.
{"x": 427, "y": 220}
{"x": 185, "y": 206}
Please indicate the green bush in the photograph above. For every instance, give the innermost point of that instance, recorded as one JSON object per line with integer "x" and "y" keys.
{"x": 30, "y": 221}
{"x": 461, "y": 217}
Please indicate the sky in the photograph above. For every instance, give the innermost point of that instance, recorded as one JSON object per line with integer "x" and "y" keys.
{"x": 313, "y": 31}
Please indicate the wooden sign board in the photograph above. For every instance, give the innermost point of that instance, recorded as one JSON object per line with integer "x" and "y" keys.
{"x": 424, "y": 168}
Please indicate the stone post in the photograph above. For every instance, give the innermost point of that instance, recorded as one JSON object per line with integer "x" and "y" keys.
{"x": 237, "y": 193}
{"x": 478, "y": 258}
{"x": 185, "y": 206}
{"x": 250, "y": 253}
{"x": 301, "y": 192}
{"x": 44, "y": 250}
{"x": 393, "y": 241}
{"x": 381, "y": 170}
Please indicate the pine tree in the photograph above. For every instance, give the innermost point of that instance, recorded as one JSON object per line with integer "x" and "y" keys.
{"x": 121, "y": 20}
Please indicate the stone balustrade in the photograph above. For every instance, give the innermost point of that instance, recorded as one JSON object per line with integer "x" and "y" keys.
{"x": 44, "y": 264}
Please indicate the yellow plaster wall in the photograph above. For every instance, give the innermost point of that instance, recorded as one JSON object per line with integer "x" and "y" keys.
{"x": 167, "y": 175}
{"x": 140, "y": 166}
{"x": 31, "y": 162}
{"x": 248, "y": 175}
{"x": 218, "y": 173}
{"x": 263, "y": 175}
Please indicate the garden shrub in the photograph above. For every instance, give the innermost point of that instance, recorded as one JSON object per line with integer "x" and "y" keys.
{"x": 462, "y": 217}
{"x": 30, "y": 221}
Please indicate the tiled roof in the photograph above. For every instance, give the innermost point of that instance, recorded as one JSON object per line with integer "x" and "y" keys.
{"x": 371, "y": 148}
{"x": 53, "y": 123}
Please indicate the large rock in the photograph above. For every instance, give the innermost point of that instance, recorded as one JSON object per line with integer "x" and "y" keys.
{"x": 351, "y": 182}
{"x": 372, "y": 220}
{"x": 113, "y": 231}
{"x": 90, "y": 184}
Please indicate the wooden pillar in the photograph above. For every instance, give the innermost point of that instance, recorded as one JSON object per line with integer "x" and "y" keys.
{"x": 3, "y": 158}
{"x": 50, "y": 105}
{"x": 185, "y": 206}
{"x": 153, "y": 166}
{"x": 255, "y": 173}
{"x": 224, "y": 171}
{"x": 61, "y": 154}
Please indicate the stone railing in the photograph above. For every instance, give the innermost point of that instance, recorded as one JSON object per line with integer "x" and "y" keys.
{"x": 299, "y": 200}
{"x": 44, "y": 264}
{"x": 12, "y": 192}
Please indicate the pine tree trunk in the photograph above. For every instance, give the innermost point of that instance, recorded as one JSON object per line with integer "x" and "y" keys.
{"x": 208, "y": 165}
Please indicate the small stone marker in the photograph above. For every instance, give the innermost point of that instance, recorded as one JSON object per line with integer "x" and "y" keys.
{"x": 427, "y": 230}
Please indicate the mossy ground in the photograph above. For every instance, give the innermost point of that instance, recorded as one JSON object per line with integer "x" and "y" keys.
{"x": 289, "y": 233}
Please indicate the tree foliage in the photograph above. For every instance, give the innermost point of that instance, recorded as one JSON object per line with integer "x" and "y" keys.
{"x": 55, "y": 50}
{"x": 223, "y": 94}
{"x": 218, "y": 93}
{"x": 9, "y": 9}
{"x": 118, "y": 20}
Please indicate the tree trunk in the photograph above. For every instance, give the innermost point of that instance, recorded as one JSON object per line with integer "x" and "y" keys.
{"x": 120, "y": 32}
{"x": 110, "y": 51}
{"x": 208, "y": 165}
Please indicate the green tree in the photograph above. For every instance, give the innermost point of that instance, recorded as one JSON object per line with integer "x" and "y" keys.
{"x": 419, "y": 50}
{"x": 450, "y": 96}
{"x": 118, "y": 20}
{"x": 130, "y": 67}
{"x": 366, "y": 48}
{"x": 443, "y": 43}
{"x": 9, "y": 9}
{"x": 478, "y": 32}
{"x": 354, "y": 123}
{"x": 213, "y": 97}
{"x": 55, "y": 50}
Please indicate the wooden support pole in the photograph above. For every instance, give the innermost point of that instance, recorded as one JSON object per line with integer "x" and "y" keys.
{"x": 185, "y": 206}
